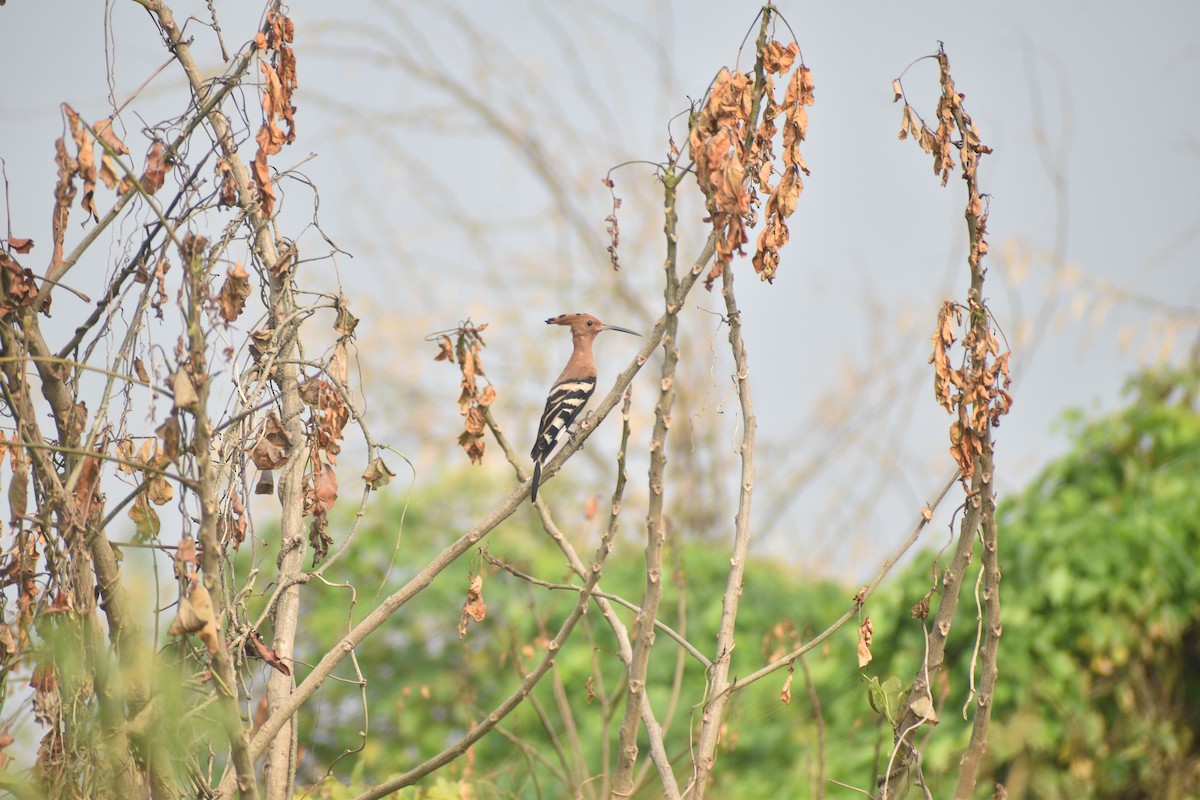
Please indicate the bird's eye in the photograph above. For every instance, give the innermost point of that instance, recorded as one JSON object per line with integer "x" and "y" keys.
{"x": 589, "y": 323}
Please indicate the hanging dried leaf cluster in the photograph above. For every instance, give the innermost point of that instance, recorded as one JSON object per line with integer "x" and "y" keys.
{"x": 976, "y": 392}
{"x": 145, "y": 466}
{"x": 735, "y": 158}
{"x": 18, "y": 288}
{"x": 472, "y": 401}
{"x": 279, "y": 81}
{"x": 325, "y": 425}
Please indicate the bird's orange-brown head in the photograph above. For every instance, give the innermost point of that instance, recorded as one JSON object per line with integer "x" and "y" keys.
{"x": 585, "y": 326}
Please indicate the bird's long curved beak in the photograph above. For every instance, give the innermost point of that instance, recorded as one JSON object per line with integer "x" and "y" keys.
{"x": 622, "y": 330}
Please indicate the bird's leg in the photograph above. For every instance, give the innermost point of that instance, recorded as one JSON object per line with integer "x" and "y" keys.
{"x": 578, "y": 427}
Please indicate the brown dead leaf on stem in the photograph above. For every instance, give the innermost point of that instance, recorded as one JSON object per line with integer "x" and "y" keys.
{"x": 85, "y": 159}
{"x": 20, "y": 246}
{"x": 473, "y": 607}
{"x": 865, "y": 632}
{"x": 271, "y": 448}
{"x": 64, "y": 194}
{"x": 171, "y": 437}
{"x": 183, "y": 389}
{"x": 187, "y": 558}
{"x": 279, "y": 82}
{"x": 196, "y": 616}
{"x": 233, "y": 524}
{"x": 18, "y": 286}
{"x": 268, "y": 655}
{"x": 233, "y": 294}
{"x": 320, "y": 493}
{"x": 472, "y": 401}
{"x": 155, "y": 173}
{"x": 785, "y": 694}
{"x": 378, "y": 474}
{"x": 87, "y": 495}
{"x": 726, "y": 156}
{"x": 227, "y": 194}
{"x": 108, "y": 137}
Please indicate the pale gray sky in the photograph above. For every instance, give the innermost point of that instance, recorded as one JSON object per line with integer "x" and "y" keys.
{"x": 1088, "y": 106}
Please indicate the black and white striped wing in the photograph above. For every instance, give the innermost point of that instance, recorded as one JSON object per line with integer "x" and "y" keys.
{"x": 566, "y": 400}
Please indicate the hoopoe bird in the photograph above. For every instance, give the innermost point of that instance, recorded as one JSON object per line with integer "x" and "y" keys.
{"x": 571, "y": 391}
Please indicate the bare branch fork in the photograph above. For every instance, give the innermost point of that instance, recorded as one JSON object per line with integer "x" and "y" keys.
{"x": 552, "y": 650}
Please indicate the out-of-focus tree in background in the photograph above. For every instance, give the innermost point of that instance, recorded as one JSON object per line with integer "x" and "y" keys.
{"x": 261, "y": 407}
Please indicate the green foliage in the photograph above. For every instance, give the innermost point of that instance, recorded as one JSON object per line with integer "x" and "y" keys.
{"x": 1097, "y": 694}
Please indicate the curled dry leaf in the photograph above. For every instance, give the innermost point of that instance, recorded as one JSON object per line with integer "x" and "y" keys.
{"x": 18, "y": 286}
{"x": 64, "y": 194}
{"x": 922, "y": 706}
{"x": 279, "y": 81}
{"x": 196, "y": 616}
{"x": 865, "y": 633}
{"x": 235, "y": 290}
{"x": 187, "y": 558}
{"x": 473, "y": 607}
{"x": 267, "y": 654}
{"x": 271, "y": 448}
{"x": 108, "y": 137}
{"x": 155, "y": 173}
{"x": 170, "y": 436}
{"x": 145, "y": 519}
{"x": 346, "y": 322}
{"x": 184, "y": 390}
{"x": 378, "y": 474}
{"x": 227, "y": 194}
{"x": 785, "y": 694}
{"x": 233, "y": 522}
{"x": 20, "y": 246}
{"x": 85, "y": 160}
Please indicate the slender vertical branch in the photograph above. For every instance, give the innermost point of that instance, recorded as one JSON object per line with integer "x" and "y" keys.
{"x": 196, "y": 281}
{"x": 643, "y": 639}
{"x": 278, "y": 767}
{"x": 710, "y": 726}
{"x": 976, "y": 394}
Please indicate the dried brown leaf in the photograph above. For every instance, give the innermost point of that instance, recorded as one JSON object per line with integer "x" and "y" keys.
{"x": 184, "y": 390}
{"x": 267, "y": 654}
{"x": 473, "y": 607}
{"x": 108, "y": 137}
{"x": 271, "y": 448}
{"x": 865, "y": 633}
{"x": 227, "y": 194}
{"x": 20, "y": 246}
{"x": 378, "y": 474}
{"x": 155, "y": 173}
{"x": 196, "y": 616}
{"x": 234, "y": 292}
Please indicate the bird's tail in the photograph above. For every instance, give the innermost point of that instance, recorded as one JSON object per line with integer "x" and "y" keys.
{"x": 537, "y": 478}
